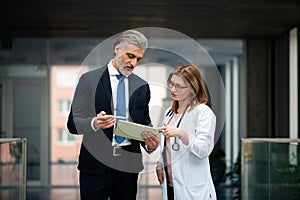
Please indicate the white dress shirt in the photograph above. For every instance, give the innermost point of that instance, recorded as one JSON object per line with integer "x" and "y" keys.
{"x": 114, "y": 86}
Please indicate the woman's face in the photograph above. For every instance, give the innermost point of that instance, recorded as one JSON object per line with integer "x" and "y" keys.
{"x": 179, "y": 89}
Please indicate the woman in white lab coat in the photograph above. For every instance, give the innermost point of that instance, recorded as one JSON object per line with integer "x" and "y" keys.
{"x": 187, "y": 139}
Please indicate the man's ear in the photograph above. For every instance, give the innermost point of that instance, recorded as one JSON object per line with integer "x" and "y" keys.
{"x": 117, "y": 49}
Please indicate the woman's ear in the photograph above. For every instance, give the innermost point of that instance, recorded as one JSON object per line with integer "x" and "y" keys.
{"x": 192, "y": 93}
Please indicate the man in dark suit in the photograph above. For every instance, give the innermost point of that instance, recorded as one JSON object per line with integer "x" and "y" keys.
{"x": 109, "y": 168}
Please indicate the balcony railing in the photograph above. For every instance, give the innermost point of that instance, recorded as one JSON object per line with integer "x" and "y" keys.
{"x": 13, "y": 168}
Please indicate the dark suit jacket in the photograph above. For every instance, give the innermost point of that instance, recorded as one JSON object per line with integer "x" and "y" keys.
{"x": 92, "y": 95}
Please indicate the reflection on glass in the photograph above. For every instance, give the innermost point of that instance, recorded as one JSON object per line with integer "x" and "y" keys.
{"x": 270, "y": 169}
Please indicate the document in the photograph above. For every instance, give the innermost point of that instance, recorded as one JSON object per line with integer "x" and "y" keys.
{"x": 133, "y": 130}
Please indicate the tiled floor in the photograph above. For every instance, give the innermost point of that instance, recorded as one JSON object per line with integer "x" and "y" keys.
{"x": 67, "y": 175}
{"x": 36, "y": 193}
{"x": 52, "y": 194}
{"x": 223, "y": 193}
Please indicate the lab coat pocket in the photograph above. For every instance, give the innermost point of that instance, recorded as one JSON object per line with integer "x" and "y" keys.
{"x": 200, "y": 192}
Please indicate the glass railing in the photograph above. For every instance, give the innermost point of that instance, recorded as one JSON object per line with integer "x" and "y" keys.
{"x": 13, "y": 168}
{"x": 270, "y": 169}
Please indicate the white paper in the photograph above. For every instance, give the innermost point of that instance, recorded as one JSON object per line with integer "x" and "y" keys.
{"x": 133, "y": 130}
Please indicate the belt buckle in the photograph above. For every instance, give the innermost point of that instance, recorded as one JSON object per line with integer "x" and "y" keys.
{"x": 115, "y": 151}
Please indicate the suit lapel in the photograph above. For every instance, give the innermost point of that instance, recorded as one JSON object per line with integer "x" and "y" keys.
{"x": 131, "y": 89}
{"x": 104, "y": 93}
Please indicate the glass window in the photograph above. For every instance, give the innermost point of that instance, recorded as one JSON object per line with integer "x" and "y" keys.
{"x": 64, "y": 137}
{"x": 66, "y": 77}
{"x": 63, "y": 106}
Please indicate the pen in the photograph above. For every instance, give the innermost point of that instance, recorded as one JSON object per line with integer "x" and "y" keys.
{"x": 119, "y": 117}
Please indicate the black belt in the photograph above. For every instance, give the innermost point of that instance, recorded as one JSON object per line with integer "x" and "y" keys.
{"x": 117, "y": 152}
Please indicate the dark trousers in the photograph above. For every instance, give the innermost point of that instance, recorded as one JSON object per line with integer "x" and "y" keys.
{"x": 118, "y": 185}
{"x": 170, "y": 191}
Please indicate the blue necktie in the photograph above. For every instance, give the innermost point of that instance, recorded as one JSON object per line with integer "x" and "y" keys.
{"x": 121, "y": 105}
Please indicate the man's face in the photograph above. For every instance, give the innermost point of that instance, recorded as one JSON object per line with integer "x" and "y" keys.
{"x": 127, "y": 58}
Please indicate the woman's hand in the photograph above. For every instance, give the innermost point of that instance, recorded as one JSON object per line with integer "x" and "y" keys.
{"x": 170, "y": 131}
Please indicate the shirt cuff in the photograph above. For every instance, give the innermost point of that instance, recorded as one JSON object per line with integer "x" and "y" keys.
{"x": 92, "y": 125}
{"x": 159, "y": 165}
{"x": 148, "y": 150}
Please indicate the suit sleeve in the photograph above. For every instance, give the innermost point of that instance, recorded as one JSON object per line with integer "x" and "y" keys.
{"x": 81, "y": 114}
{"x": 147, "y": 119}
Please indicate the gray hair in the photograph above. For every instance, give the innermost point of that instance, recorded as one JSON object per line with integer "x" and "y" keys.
{"x": 133, "y": 37}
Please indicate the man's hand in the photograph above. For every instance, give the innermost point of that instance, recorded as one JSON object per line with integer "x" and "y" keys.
{"x": 160, "y": 174}
{"x": 150, "y": 140}
{"x": 103, "y": 121}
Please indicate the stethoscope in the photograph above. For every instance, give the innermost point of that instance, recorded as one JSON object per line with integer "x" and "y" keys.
{"x": 175, "y": 146}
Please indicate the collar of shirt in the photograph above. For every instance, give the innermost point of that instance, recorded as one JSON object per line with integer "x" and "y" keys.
{"x": 112, "y": 70}
{"x": 114, "y": 80}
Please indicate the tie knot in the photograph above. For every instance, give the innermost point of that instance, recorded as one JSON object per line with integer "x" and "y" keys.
{"x": 119, "y": 76}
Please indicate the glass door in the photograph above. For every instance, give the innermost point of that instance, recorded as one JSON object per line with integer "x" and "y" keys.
{"x": 26, "y": 117}
{"x": 29, "y": 114}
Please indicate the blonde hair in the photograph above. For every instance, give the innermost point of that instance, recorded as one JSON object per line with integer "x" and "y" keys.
{"x": 193, "y": 77}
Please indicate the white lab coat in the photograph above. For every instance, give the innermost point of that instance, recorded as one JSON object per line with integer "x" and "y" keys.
{"x": 190, "y": 164}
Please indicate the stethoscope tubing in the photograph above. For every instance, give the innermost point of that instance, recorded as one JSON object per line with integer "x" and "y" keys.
{"x": 175, "y": 146}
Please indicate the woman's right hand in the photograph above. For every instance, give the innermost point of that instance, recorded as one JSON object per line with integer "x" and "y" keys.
{"x": 169, "y": 130}
{"x": 160, "y": 174}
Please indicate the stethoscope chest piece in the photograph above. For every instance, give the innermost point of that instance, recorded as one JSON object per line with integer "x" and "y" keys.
{"x": 175, "y": 146}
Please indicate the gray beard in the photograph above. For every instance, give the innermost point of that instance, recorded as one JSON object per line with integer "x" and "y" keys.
{"x": 121, "y": 69}
{"x": 123, "y": 72}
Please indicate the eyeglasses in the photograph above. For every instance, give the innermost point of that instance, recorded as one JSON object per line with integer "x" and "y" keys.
{"x": 177, "y": 87}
